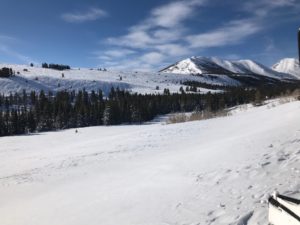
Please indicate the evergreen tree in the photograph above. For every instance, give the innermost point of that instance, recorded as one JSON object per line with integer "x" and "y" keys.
{"x": 107, "y": 115}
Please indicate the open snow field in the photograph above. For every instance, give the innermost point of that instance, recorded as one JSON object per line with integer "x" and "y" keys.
{"x": 213, "y": 172}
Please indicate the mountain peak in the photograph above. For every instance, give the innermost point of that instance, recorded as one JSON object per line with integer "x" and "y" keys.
{"x": 197, "y": 65}
{"x": 288, "y": 65}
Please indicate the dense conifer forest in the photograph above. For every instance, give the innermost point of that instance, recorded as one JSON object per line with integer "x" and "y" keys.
{"x": 6, "y": 72}
{"x": 55, "y": 66}
{"x": 36, "y": 112}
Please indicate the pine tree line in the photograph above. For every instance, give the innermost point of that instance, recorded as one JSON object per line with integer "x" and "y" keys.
{"x": 55, "y": 66}
{"x": 35, "y": 112}
{"x": 6, "y": 72}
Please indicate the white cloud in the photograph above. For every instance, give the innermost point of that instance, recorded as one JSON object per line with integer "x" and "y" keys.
{"x": 128, "y": 65}
{"x": 172, "y": 14}
{"x": 142, "y": 39}
{"x": 5, "y": 38}
{"x": 134, "y": 39}
{"x": 232, "y": 33}
{"x": 8, "y": 51}
{"x": 5, "y": 48}
{"x": 262, "y": 8}
{"x": 275, "y": 3}
{"x": 232, "y": 57}
{"x": 164, "y": 25}
{"x": 159, "y": 35}
{"x": 119, "y": 52}
{"x": 281, "y": 3}
{"x": 173, "y": 49}
{"x": 113, "y": 54}
{"x": 80, "y": 17}
{"x": 167, "y": 35}
{"x": 153, "y": 58}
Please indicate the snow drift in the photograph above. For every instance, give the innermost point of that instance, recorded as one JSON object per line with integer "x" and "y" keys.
{"x": 214, "y": 172}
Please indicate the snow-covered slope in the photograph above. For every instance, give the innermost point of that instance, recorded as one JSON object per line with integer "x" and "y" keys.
{"x": 212, "y": 65}
{"x": 211, "y": 70}
{"x": 34, "y": 78}
{"x": 214, "y": 172}
{"x": 288, "y": 65}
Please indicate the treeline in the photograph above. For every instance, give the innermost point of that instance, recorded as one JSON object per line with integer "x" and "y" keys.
{"x": 6, "y": 72}
{"x": 34, "y": 112}
{"x": 55, "y": 66}
{"x": 193, "y": 85}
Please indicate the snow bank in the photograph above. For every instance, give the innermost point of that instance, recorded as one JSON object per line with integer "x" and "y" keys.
{"x": 218, "y": 171}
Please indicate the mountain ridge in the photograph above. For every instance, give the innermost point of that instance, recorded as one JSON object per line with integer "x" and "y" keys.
{"x": 212, "y": 65}
{"x": 209, "y": 73}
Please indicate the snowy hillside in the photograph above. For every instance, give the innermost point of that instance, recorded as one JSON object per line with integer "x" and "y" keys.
{"x": 214, "y": 172}
{"x": 211, "y": 71}
{"x": 212, "y": 65}
{"x": 288, "y": 65}
{"x": 34, "y": 78}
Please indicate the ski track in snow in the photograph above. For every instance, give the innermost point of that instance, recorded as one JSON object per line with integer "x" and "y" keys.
{"x": 215, "y": 172}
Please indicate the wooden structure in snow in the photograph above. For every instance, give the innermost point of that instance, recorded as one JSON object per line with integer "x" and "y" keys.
{"x": 284, "y": 210}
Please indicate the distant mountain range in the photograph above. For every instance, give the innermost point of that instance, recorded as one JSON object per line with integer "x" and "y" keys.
{"x": 245, "y": 71}
{"x": 208, "y": 73}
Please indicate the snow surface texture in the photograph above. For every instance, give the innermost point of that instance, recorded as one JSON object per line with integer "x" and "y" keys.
{"x": 212, "y": 65}
{"x": 288, "y": 65}
{"x": 35, "y": 79}
{"x": 214, "y": 172}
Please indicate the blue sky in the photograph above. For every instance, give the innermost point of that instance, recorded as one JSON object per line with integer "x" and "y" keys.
{"x": 146, "y": 35}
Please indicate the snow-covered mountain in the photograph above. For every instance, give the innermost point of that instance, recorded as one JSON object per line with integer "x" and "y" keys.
{"x": 212, "y": 65}
{"x": 288, "y": 65}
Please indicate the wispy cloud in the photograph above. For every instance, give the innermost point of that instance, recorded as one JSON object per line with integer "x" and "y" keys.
{"x": 6, "y": 38}
{"x": 152, "y": 58}
{"x": 231, "y": 33}
{"x": 113, "y": 54}
{"x": 10, "y": 52}
{"x": 263, "y": 7}
{"x": 173, "y": 49}
{"x": 5, "y": 48}
{"x": 162, "y": 37}
{"x": 267, "y": 4}
{"x": 164, "y": 25}
{"x": 158, "y": 36}
{"x": 173, "y": 14}
{"x": 79, "y": 17}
